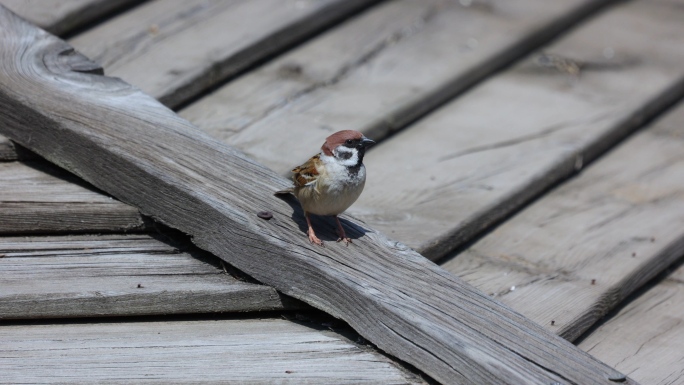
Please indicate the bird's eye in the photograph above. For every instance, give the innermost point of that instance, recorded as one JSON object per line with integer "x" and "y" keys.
{"x": 348, "y": 141}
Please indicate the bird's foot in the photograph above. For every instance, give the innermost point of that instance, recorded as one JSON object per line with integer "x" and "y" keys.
{"x": 346, "y": 240}
{"x": 340, "y": 233}
{"x": 314, "y": 239}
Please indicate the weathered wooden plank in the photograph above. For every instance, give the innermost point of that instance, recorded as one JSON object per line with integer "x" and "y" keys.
{"x": 645, "y": 338}
{"x": 482, "y": 156}
{"x": 174, "y": 49}
{"x": 580, "y": 250}
{"x": 37, "y": 197}
{"x": 63, "y": 16}
{"x": 118, "y": 275}
{"x": 376, "y": 73}
{"x": 58, "y": 17}
{"x": 190, "y": 352}
{"x": 108, "y": 133}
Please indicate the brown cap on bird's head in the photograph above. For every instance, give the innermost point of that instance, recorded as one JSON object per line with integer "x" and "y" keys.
{"x": 341, "y": 137}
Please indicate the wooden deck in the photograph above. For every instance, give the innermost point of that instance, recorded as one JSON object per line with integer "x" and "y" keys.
{"x": 532, "y": 148}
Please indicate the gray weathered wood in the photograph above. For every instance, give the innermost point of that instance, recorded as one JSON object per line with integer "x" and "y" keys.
{"x": 117, "y": 275}
{"x": 8, "y": 151}
{"x": 645, "y": 338}
{"x": 473, "y": 162}
{"x": 376, "y": 73}
{"x": 58, "y": 17}
{"x": 174, "y": 49}
{"x": 62, "y": 16}
{"x": 36, "y": 197}
{"x": 109, "y": 133}
{"x": 182, "y": 352}
{"x": 569, "y": 258}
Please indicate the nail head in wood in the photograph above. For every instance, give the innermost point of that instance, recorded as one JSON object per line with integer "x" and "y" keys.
{"x": 265, "y": 215}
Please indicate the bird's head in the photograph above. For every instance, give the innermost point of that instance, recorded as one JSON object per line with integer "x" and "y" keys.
{"x": 347, "y": 146}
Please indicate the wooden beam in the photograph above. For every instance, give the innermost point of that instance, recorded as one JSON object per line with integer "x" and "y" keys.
{"x": 119, "y": 275}
{"x": 269, "y": 351}
{"x": 129, "y": 145}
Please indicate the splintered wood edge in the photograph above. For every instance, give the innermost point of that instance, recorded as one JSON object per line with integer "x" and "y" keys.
{"x": 108, "y": 132}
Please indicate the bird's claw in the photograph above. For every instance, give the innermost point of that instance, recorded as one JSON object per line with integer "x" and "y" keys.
{"x": 315, "y": 241}
{"x": 346, "y": 240}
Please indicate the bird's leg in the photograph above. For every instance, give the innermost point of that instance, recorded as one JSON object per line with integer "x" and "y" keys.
{"x": 312, "y": 235}
{"x": 341, "y": 234}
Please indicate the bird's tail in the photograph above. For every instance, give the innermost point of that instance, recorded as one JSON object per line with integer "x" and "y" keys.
{"x": 285, "y": 192}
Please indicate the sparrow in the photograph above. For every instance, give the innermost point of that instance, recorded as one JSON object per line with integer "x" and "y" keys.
{"x": 331, "y": 181}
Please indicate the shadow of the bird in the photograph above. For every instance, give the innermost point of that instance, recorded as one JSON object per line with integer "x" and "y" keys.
{"x": 323, "y": 225}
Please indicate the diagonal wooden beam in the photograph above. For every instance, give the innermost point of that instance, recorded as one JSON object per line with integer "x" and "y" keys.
{"x": 129, "y": 145}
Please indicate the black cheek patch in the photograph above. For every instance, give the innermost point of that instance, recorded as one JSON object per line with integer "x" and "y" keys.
{"x": 344, "y": 155}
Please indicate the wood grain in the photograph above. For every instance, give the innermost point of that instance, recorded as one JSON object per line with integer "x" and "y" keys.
{"x": 175, "y": 49}
{"x": 118, "y": 275}
{"x": 376, "y": 73}
{"x": 190, "y": 352}
{"x": 108, "y": 133}
{"x": 479, "y": 158}
{"x": 59, "y": 17}
{"x": 63, "y": 16}
{"x": 569, "y": 258}
{"x": 645, "y": 338}
{"x": 37, "y": 197}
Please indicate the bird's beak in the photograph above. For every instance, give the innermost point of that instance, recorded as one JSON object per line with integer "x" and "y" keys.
{"x": 365, "y": 142}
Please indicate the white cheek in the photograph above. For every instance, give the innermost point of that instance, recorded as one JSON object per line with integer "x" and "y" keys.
{"x": 351, "y": 155}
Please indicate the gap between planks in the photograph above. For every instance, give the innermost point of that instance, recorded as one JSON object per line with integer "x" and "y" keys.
{"x": 154, "y": 45}
{"x": 645, "y": 337}
{"x": 470, "y": 164}
{"x": 37, "y": 197}
{"x": 570, "y": 257}
{"x": 63, "y": 16}
{"x": 376, "y": 73}
{"x": 119, "y": 275}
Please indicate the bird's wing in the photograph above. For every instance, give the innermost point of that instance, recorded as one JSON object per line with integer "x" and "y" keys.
{"x": 306, "y": 174}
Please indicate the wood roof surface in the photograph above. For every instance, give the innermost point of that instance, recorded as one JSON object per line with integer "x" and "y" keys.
{"x": 531, "y": 148}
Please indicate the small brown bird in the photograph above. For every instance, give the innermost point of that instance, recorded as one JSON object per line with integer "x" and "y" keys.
{"x": 329, "y": 182}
